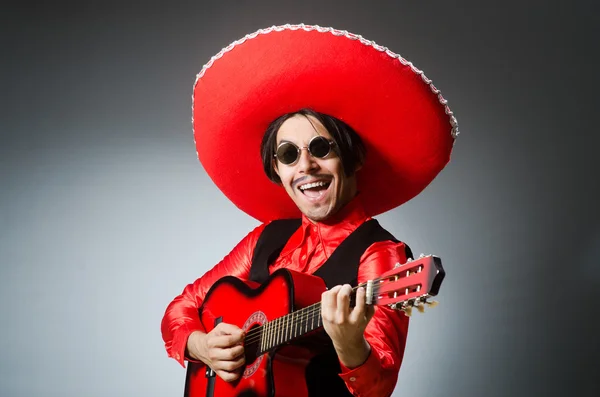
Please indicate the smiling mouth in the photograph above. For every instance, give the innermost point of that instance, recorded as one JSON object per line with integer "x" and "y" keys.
{"x": 314, "y": 190}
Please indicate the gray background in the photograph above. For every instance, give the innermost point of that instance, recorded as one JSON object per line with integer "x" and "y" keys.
{"x": 106, "y": 214}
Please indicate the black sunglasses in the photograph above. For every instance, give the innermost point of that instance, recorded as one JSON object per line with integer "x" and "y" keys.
{"x": 288, "y": 153}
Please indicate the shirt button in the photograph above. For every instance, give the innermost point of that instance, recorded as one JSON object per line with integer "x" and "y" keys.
{"x": 177, "y": 356}
{"x": 303, "y": 257}
{"x": 352, "y": 379}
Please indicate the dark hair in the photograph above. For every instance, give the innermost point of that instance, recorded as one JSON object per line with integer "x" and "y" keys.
{"x": 348, "y": 145}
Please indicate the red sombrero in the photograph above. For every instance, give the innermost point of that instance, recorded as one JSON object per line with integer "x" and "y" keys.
{"x": 404, "y": 121}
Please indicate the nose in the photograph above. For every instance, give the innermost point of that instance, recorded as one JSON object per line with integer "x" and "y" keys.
{"x": 306, "y": 162}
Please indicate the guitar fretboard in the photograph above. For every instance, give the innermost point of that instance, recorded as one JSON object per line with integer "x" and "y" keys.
{"x": 286, "y": 328}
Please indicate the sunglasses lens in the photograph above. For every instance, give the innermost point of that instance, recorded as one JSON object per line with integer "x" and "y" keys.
{"x": 319, "y": 147}
{"x": 287, "y": 153}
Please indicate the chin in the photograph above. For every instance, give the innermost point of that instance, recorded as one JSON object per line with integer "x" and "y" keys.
{"x": 318, "y": 215}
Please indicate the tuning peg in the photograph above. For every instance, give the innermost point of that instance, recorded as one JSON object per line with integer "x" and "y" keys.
{"x": 422, "y": 255}
{"x": 397, "y": 265}
{"x": 407, "y": 311}
{"x": 421, "y": 308}
{"x": 432, "y": 304}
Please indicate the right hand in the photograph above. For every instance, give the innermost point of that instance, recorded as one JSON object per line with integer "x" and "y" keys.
{"x": 221, "y": 349}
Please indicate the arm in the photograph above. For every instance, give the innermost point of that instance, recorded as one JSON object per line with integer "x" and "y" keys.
{"x": 181, "y": 316}
{"x": 370, "y": 343}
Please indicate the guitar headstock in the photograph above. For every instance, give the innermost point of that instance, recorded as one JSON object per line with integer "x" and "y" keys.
{"x": 408, "y": 285}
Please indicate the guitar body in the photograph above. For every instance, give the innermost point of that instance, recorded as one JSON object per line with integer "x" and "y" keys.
{"x": 279, "y": 372}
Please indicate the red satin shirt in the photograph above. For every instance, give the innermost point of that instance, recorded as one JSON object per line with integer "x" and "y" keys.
{"x": 308, "y": 248}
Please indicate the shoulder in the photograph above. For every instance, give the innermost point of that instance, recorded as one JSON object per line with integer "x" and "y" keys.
{"x": 272, "y": 232}
{"x": 382, "y": 256}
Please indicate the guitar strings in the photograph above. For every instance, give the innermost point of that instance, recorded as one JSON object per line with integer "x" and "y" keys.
{"x": 287, "y": 326}
{"x": 283, "y": 323}
{"x": 312, "y": 309}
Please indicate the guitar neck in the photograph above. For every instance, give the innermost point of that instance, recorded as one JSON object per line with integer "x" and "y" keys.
{"x": 286, "y": 328}
{"x": 401, "y": 288}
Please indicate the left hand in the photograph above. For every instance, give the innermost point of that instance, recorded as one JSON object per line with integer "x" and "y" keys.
{"x": 345, "y": 325}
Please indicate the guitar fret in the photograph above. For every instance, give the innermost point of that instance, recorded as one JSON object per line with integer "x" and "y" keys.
{"x": 265, "y": 337}
{"x": 280, "y": 330}
{"x": 307, "y": 313}
{"x": 262, "y": 340}
{"x": 268, "y": 327}
{"x": 287, "y": 329}
{"x": 294, "y": 320}
{"x": 269, "y": 335}
{"x": 276, "y": 329}
{"x": 318, "y": 314}
{"x": 275, "y": 333}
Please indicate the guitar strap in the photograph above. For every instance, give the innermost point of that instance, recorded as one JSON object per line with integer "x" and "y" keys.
{"x": 269, "y": 245}
{"x": 341, "y": 268}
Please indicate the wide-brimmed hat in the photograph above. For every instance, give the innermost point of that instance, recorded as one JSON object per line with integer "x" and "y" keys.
{"x": 402, "y": 118}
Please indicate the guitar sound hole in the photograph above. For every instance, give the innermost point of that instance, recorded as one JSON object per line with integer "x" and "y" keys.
{"x": 251, "y": 346}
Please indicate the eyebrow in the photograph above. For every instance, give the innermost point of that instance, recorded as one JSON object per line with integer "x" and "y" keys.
{"x": 285, "y": 140}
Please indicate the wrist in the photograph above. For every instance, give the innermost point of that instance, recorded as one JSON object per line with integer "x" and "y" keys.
{"x": 194, "y": 345}
{"x": 353, "y": 355}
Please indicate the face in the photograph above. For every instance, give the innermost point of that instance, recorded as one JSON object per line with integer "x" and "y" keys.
{"x": 318, "y": 187}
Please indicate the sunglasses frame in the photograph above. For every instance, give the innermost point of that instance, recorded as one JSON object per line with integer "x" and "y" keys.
{"x": 299, "y": 149}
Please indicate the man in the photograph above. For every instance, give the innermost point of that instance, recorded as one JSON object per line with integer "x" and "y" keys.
{"x": 289, "y": 89}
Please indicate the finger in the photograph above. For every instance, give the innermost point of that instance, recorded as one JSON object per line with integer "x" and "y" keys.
{"x": 329, "y": 303}
{"x": 232, "y": 366}
{"x": 228, "y": 329}
{"x": 228, "y": 376}
{"x": 370, "y": 312}
{"x": 359, "y": 310}
{"x": 228, "y": 354}
{"x": 343, "y": 302}
{"x": 225, "y": 341}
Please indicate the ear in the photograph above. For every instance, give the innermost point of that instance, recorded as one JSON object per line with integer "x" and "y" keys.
{"x": 274, "y": 164}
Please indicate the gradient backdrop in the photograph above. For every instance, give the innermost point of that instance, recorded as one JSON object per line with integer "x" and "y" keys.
{"x": 106, "y": 213}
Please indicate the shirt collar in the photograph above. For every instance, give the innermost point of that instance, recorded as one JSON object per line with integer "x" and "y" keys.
{"x": 332, "y": 231}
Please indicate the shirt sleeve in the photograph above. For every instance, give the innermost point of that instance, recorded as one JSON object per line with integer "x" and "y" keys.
{"x": 181, "y": 317}
{"x": 386, "y": 332}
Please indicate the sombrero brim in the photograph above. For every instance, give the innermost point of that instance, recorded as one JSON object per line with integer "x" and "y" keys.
{"x": 404, "y": 121}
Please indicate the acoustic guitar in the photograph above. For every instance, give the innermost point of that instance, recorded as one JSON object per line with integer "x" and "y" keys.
{"x": 281, "y": 321}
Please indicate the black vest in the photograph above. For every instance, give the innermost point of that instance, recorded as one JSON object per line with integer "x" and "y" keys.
{"x": 341, "y": 268}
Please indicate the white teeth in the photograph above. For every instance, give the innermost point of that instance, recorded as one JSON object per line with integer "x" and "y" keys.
{"x": 311, "y": 185}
